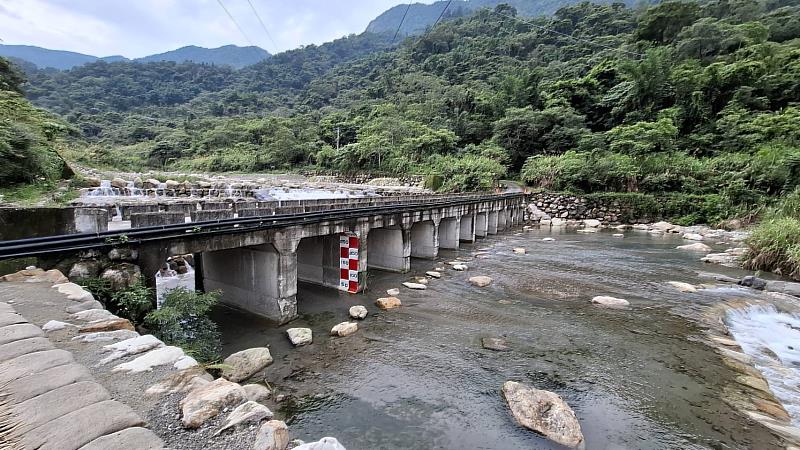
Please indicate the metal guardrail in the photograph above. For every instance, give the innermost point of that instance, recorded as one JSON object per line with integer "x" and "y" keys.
{"x": 77, "y": 242}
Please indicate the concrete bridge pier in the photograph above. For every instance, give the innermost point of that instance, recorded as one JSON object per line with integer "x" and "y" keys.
{"x": 491, "y": 227}
{"x": 502, "y": 219}
{"x": 449, "y": 233}
{"x": 425, "y": 239}
{"x": 481, "y": 224}
{"x": 390, "y": 249}
{"x": 260, "y": 279}
{"x": 466, "y": 231}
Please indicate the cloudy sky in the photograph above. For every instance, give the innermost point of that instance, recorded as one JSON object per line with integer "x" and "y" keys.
{"x": 135, "y": 28}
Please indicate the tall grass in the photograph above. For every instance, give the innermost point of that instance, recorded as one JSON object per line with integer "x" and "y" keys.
{"x": 775, "y": 243}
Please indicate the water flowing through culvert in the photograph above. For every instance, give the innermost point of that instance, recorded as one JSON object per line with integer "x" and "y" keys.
{"x": 772, "y": 338}
{"x": 418, "y": 378}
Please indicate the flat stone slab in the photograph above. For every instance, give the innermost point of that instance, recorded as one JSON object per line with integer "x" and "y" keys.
{"x": 35, "y": 384}
{"x": 58, "y": 402}
{"x": 13, "y": 333}
{"x": 10, "y": 318}
{"x": 81, "y": 426}
{"x": 153, "y": 358}
{"x": 130, "y": 438}
{"x": 23, "y": 347}
{"x": 33, "y": 363}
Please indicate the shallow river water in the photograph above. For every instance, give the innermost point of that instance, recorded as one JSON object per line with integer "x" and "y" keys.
{"x": 418, "y": 378}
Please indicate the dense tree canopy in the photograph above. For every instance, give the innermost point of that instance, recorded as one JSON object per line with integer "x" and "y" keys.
{"x": 681, "y": 96}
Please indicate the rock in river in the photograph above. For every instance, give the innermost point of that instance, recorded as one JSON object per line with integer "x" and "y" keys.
{"x": 394, "y": 292}
{"x": 480, "y": 281}
{"x": 683, "y": 287}
{"x": 610, "y": 301}
{"x": 300, "y": 336}
{"x": 326, "y": 443}
{"x": 696, "y": 247}
{"x": 433, "y": 274}
{"x": 358, "y": 312}
{"x": 246, "y": 363}
{"x": 388, "y": 303}
{"x": 416, "y": 286}
{"x": 209, "y": 400}
{"x": 247, "y": 412}
{"x": 543, "y": 412}
{"x": 273, "y": 435}
{"x": 344, "y": 329}
{"x": 496, "y": 344}
{"x": 520, "y": 251}
{"x": 693, "y": 237}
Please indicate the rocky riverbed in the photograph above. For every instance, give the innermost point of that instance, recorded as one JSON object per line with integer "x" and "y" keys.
{"x": 421, "y": 375}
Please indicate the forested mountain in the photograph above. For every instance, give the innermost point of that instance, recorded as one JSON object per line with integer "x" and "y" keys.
{"x": 699, "y": 100}
{"x": 420, "y": 16}
{"x": 228, "y": 55}
{"x": 27, "y": 135}
{"x": 44, "y": 58}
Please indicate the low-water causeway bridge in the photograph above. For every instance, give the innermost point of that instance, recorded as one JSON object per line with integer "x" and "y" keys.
{"x": 257, "y": 260}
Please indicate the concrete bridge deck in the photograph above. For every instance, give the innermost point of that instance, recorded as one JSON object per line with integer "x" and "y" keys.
{"x": 257, "y": 261}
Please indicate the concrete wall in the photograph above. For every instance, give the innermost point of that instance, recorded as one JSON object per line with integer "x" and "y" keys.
{"x": 214, "y": 214}
{"x": 449, "y": 232}
{"x": 22, "y": 223}
{"x": 156, "y": 219}
{"x": 389, "y": 249}
{"x": 425, "y": 240}
{"x": 91, "y": 220}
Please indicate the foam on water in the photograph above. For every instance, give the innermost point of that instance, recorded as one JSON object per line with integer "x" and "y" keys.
{"x": 772, "y": 338}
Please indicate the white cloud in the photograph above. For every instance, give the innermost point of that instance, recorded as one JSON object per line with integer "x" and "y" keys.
{"x": 143, "y": 27}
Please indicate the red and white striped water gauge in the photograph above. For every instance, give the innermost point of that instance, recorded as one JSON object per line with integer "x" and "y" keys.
{"x": 348, "y": 262}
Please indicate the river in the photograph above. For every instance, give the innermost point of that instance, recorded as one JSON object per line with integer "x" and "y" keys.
{"x": 417, "y": 377}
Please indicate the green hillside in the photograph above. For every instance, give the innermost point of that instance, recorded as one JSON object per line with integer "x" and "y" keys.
{"x": 679, "y": 98}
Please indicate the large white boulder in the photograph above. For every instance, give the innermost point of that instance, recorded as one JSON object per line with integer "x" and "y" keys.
{"x": 480, "y": 281}
{"x": 246, "y": 363}
{"x": 326, "y": 443}
{"x": 247, "y": 412}
{"x": 416, "y": 286}
{"x": 300, "y": 336}
{"x": 592, "y": 223}
{"x": 208, "y": 400}
{"x": 273, "y": 435}
{"x": 357, "y": 312}
{"x": 388, "y": 303}
{"x": 696, "y": 247}
{"x": 544, "y": 412}
{"x": 612, "y": 302}
{"x": 344, "y": 329}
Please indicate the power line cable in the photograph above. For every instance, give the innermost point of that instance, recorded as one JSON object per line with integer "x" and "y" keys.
{"x": 585, "y": 41}
{"x": 401, "y": 22}
{"x": 235, "y": 22}
{"x": 442, "y": 14}
{"x": 264, "y": 27}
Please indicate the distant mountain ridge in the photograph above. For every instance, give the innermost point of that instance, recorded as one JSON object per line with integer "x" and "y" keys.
{"x": 227, "y": 55}
{"x": 420, "y": 16}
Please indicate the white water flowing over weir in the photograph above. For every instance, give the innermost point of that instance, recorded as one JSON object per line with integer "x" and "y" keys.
{"x": 772, "y": 338}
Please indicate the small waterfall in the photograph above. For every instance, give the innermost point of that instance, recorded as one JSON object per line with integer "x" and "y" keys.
{"x": 105, "y": 190}
{"x": 772, "y": 338}
{"x": 133, "y": 191}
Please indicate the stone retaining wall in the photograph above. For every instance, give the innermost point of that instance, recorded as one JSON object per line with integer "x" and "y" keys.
{"x": 575, "y": 207}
